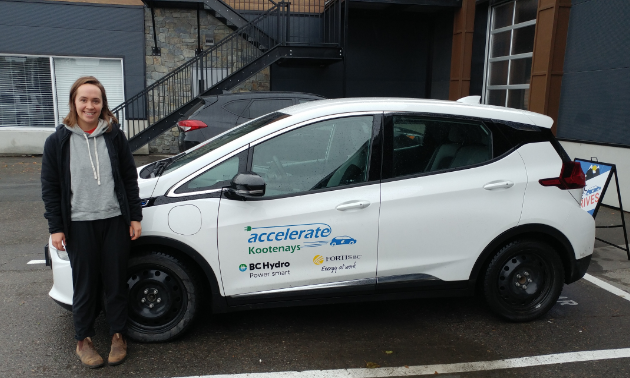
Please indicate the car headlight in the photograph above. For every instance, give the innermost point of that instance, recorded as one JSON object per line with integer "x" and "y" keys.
{"x": 63, "y": 255}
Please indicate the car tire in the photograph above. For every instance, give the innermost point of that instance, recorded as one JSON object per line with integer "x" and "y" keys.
{"x": 523, "y": 280}
{"x": 163, "y": 297}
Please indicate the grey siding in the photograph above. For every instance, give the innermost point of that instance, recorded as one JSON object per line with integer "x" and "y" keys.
{"x": 79, "y": 29}
{"x": 595, "y": 97}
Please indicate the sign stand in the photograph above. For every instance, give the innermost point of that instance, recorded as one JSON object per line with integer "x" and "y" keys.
{"x": 592, "y": 169}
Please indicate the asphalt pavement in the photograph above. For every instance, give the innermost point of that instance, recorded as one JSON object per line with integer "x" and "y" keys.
{"x": 36, "y": 335}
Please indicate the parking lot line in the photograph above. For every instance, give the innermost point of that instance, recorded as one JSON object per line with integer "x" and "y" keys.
{"x": 36, "y": 262}
{"x": 511, "y": 363}
{"x": 608, "y": 287}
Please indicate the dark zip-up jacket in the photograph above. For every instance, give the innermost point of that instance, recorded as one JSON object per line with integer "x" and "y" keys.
{"x": 56, "y": 190}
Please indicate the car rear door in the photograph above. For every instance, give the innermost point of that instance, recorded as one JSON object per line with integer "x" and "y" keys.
{"x": 447, "y": 192}
{"x": 319, "y": 186}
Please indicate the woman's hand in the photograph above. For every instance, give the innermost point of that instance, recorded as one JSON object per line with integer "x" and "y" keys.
{"x": 135, "y": 229}
{"x": 59, "y": 241}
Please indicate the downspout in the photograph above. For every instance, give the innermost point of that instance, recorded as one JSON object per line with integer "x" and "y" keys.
{"x": 199, "y": 49}
{"x": 345, "y": 48}
{"x": 155, "y": 50}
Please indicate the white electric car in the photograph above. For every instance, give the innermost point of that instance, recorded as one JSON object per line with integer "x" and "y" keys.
{"x": 369, "y": 199}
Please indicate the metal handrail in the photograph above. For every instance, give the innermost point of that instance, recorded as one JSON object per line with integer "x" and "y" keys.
{"x": 274, "y": 27}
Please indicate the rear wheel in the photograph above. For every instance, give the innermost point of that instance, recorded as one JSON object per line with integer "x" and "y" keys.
{"x": 523, "y": 280}
{"x": 163, "y": 297}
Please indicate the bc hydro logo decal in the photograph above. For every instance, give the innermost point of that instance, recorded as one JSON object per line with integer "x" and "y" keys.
{"x": 242, "y": 267}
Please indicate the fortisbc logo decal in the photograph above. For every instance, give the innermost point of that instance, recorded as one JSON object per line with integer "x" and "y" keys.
{"x": 288, "y": 232}
{"x": 318, "y": 260}
{"x": 242, "y": 267}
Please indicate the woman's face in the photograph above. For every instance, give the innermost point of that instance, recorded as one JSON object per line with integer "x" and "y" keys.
{"x": 89, "y": 104}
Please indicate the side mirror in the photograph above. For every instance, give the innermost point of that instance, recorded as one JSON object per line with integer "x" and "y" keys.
{"x": 247, "y": 184}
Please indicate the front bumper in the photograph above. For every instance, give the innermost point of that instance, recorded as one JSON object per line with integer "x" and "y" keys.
{"x": 61, "y": 291}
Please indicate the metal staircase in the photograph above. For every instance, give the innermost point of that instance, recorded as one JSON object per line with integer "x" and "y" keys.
{"x": 312, "y": 33}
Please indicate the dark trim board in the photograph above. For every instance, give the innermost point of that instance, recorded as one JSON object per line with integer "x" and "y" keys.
{"x": 442, "y": 290}
{"x": 433, "y": 3}
{"x": 77, "y": 3}
{"x": 592, "y": 142}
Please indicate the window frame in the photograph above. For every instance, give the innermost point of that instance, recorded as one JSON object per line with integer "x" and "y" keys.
{"x": 388, "y": 143}
{"x": 489, "y": 33}
{"x": 173, "y": 192}
{"x": 374, "y": 155}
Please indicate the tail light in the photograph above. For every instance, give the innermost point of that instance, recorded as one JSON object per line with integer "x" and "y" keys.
{"x": 190, "y": 124}
{"x": 571, "y": 177}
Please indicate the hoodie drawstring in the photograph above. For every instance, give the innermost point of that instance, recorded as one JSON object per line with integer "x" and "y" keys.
{"x": 97, "y": 174}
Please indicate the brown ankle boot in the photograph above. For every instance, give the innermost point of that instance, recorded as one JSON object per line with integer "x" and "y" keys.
{"x": 118, "y": 353}
{"x": 88, "y": 355}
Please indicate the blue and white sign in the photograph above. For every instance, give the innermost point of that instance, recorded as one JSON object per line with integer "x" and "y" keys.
{"x": 597, "y": 175}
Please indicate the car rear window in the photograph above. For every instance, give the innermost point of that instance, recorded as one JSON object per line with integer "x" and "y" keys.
{"x": 224, "y": 139}
{"x": 260, "y": 107}
{"x": 236, "y": 107}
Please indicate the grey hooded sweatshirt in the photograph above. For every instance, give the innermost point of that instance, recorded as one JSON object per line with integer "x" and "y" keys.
{"x": 91, "y": 179}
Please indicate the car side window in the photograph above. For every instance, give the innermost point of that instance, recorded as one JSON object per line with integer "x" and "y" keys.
{"x": 322, "y": 155}
{"x": 262, "y": 107}
{"x": 216, "y": 177}
{"x": 423, "y": 145}
{"x": 236, "y": 107}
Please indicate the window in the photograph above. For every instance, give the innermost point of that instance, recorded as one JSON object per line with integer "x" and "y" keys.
{"x": 322, "y": 155}
{"x": 236, "y": 107}
{"x": 108, "y": 71}
{"x": 216, "y": 177}
{"x": 426, "y": 145}
{"x": 212, "y": 144}
{"x": 262, "y": 107}
{"x": 26, "y": 97}
{"x": 510, "y": 50}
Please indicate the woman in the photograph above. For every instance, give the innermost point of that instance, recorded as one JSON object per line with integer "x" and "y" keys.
{"x": 90, "y": 192}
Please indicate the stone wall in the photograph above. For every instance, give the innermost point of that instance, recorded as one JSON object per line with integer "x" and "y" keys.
{"x": 177, "y": 38}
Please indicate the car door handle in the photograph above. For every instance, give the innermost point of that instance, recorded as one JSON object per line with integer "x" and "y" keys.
{"x": 498, "y": 185}
{"x": 353, "y": 205}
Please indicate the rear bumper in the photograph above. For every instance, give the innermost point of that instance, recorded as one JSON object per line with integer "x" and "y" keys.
{"x": 579, "y": 268}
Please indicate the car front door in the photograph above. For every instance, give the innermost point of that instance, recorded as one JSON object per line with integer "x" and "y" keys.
{"x": 319, "y": 189}
{"x": 446, "y": 194}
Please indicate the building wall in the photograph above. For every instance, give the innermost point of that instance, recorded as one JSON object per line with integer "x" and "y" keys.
{"x": 177, "y": 39}
{"x": 594, "y": 101}
{"x": 73, "y": 29}
{"x": 388, "y": 54}
{"x": 595, "y": 96}
{"x": 76, "y": 29}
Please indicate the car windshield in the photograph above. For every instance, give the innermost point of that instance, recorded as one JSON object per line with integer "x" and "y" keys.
{"x": 237, "y": 132}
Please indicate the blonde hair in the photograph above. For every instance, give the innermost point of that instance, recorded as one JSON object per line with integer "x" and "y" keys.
{"x": 106, "y": 114}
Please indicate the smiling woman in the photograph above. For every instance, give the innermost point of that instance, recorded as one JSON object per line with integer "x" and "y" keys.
{"x": 90, "y": 191}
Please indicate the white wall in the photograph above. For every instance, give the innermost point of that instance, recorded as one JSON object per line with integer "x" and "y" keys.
{"x": 605, "y": 154}
{"x": 30, "y": 141}
{"x": 23, "y": 140}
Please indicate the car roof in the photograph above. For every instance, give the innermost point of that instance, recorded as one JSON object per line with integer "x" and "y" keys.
{"x": 262, "y": 94}
{"x": 392, "y": 104}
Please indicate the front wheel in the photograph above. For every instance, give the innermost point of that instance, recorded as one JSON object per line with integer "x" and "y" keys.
{"x": 523, "y": 280}
{"x": 163, "y": 297}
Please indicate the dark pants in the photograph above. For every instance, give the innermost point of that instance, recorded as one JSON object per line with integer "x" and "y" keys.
{"x": 98, "y": 252}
